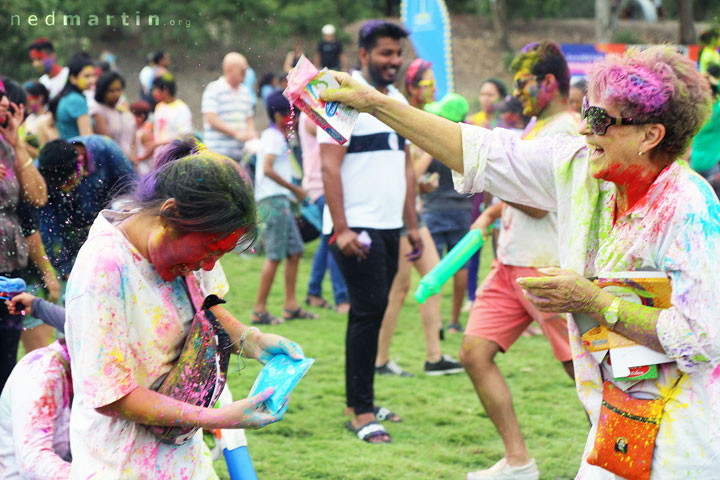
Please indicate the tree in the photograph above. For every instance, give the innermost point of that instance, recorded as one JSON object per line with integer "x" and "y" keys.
{"x": 606, "y": 15}
{"x": 687, "y": 34}
{"x": 500, "y": 24}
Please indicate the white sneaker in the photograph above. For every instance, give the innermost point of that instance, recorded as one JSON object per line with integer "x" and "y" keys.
{"x": 502, "y": 471}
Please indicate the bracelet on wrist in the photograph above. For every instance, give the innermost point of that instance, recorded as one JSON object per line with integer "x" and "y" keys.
{"x": 244, "y": 336}
{"x": 26, "y": 165}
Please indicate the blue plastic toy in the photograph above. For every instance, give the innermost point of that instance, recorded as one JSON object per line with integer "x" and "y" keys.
{"x": 9, "y": 287}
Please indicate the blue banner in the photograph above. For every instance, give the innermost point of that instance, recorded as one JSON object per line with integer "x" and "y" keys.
{"x": 429, "y": 24}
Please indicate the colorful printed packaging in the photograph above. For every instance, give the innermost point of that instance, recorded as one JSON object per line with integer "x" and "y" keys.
{"x": 629, "y": 360}
{"x": 305, "y": 83}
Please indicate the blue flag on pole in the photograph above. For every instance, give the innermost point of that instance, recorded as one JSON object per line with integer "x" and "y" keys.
{"x": 429, "y": 24}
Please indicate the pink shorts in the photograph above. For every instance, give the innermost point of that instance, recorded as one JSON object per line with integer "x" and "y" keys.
{"x": 501, "y": 313}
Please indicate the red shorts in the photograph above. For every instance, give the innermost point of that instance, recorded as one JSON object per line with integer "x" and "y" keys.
{"x": 501, "y": 313}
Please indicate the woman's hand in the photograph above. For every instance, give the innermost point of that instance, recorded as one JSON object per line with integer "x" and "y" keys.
{"x": 264, "y": 346}
{"x": 351, "y": 92}
{"x": 563, "y": 291}
{"x": 248, "y": 413}
{"x": 10, "y": 130}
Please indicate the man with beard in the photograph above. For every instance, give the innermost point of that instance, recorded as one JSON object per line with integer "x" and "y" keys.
{"x": 528, "y": 240}
{"x": 369, "y": 188}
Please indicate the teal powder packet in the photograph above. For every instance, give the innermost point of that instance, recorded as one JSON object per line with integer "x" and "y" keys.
{"x": 283, "y": 374}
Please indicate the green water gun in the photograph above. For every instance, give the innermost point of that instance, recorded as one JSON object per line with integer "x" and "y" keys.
{"x": 431, "y": 283}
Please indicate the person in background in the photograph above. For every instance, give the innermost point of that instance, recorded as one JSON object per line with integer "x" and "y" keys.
{"x": 420, "y": 88}
{"x": 578, "y": 90}
{"x": 173, "y": 117}
{"x": 228, "y": 110}
{"x": 39, "y": 126}
{"x": 70, "y": 107}
{"x": 18, "y": 179}
{"x": 492, "y": 91}
{"x": 54, "y": 76}
{"x": 293, "y": 56}
{"x": 330, "y": 51}
{"x": 312, "y": 182}
{"x": 708, "y": 43}
{"x": 111, "y": 120}
{"x": 145, "y": 79}
{"x": 143, "y": 136}
{"x": 705, "y": 153}
{"x": 35, "y": 442}
{"x": 446, "y": 212}
{"x": 273, "y": 191}
{"x": 83, "y": 173}
{"x": 369, "y": 189}
{"x": 269, "y": 82}
{"x": 250, "y": 81}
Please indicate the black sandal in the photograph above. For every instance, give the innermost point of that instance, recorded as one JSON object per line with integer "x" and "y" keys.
{"x": 322, "y": 303}
{"x": 299, "y": 313}
{"x": 265, "y": 318}
{"x": 369, "y": 431}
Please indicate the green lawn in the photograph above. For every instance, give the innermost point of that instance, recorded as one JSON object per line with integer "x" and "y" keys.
{"x": 445, "y": 432}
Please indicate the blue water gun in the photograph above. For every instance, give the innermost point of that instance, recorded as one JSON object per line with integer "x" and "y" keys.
{"x": 9, "y": 287}
{"x": 431, "y": 283}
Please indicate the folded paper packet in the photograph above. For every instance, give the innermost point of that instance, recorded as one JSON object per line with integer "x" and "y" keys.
{"x": 305, "y": 83}
{"x": 282, "y": 373}
{"x": 651, "y": 289}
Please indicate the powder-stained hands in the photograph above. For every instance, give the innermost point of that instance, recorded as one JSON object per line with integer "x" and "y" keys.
{"x": 249, "y": 413}
{"x": 562, "y": 291}
{"x": 264, "y": 346}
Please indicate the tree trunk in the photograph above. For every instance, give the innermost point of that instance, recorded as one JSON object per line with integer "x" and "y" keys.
{"x": 500, "y": 24}
{"x": 686, "y": 24}
{"x": 604, "y": 25}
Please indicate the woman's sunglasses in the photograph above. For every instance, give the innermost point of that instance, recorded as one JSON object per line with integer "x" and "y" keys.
{"x": 599, "y": 120}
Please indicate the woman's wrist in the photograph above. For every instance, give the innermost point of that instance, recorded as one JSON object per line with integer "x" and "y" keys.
{"x": 249, "y": 338}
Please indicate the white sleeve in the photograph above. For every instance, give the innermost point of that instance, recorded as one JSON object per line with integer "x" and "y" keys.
{"x": 516, "y": 170}
{"x": 37, "y": 397}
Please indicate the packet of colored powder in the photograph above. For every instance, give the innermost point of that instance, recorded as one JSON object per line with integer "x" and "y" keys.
{"x": 282, "y": 373}
{"x": 305, "y": 83}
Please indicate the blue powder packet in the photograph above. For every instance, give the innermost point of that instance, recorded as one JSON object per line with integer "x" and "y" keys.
{"x": 282, "y": 373}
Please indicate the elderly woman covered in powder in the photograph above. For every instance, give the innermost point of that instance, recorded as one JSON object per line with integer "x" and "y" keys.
{"x": 625, "y": 201}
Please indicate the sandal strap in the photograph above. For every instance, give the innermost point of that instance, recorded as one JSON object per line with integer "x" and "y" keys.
{"x": 382, "y": 414}
{"x": 370, "y": 430}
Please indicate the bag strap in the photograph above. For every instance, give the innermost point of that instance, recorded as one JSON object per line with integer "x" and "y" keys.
{"x": 192, "y": 290}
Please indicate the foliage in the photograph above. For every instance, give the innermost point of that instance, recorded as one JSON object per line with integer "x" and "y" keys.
{"x": 445, "y": 432}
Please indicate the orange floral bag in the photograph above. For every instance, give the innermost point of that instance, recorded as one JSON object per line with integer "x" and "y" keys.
{"x": 625, "y": 438}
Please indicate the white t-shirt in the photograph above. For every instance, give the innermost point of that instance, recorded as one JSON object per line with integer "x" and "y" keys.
{"x": 35, "y": 416}
{"x": 56, "y": 83}
{"x": 125, "y": 328}
{"x": 233, "y": 106}
{"x": 171, "y": 120}
{"x": 272, "y": 142}
{"x": 372, "y": 172}
{"x": 523, "y": 240}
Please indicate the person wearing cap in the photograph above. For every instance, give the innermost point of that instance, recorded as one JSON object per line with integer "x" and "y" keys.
{"x": 447, "y": 213}
{"x": 82, "y": 174}
{"x": 330, "y": 51}
{"x": 274, "y": 190}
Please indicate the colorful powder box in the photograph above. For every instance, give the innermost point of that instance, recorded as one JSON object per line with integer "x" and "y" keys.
{"x": 305, "y": 83}
{"x": 283, "y": 374}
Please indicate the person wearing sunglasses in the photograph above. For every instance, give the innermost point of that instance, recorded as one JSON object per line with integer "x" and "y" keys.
{"x": 625, "y": 201}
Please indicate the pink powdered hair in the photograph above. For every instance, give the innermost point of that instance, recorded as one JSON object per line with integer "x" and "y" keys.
{"x": 656, "y": 85}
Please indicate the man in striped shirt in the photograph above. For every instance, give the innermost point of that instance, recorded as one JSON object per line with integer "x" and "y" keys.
{"x": 227, "y": 107}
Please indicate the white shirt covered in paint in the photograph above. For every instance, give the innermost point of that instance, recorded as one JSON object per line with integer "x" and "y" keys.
{"x": 674, "y": 229}
{"x": 523, "y": 240}
{"x": 35, "y": 417}
{"x": 126, "y": 328}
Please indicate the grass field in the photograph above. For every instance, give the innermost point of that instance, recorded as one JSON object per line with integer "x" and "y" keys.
{"x": 445, "y": 432}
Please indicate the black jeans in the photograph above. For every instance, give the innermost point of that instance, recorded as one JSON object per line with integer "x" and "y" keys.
{"x": 368, "y": 283}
